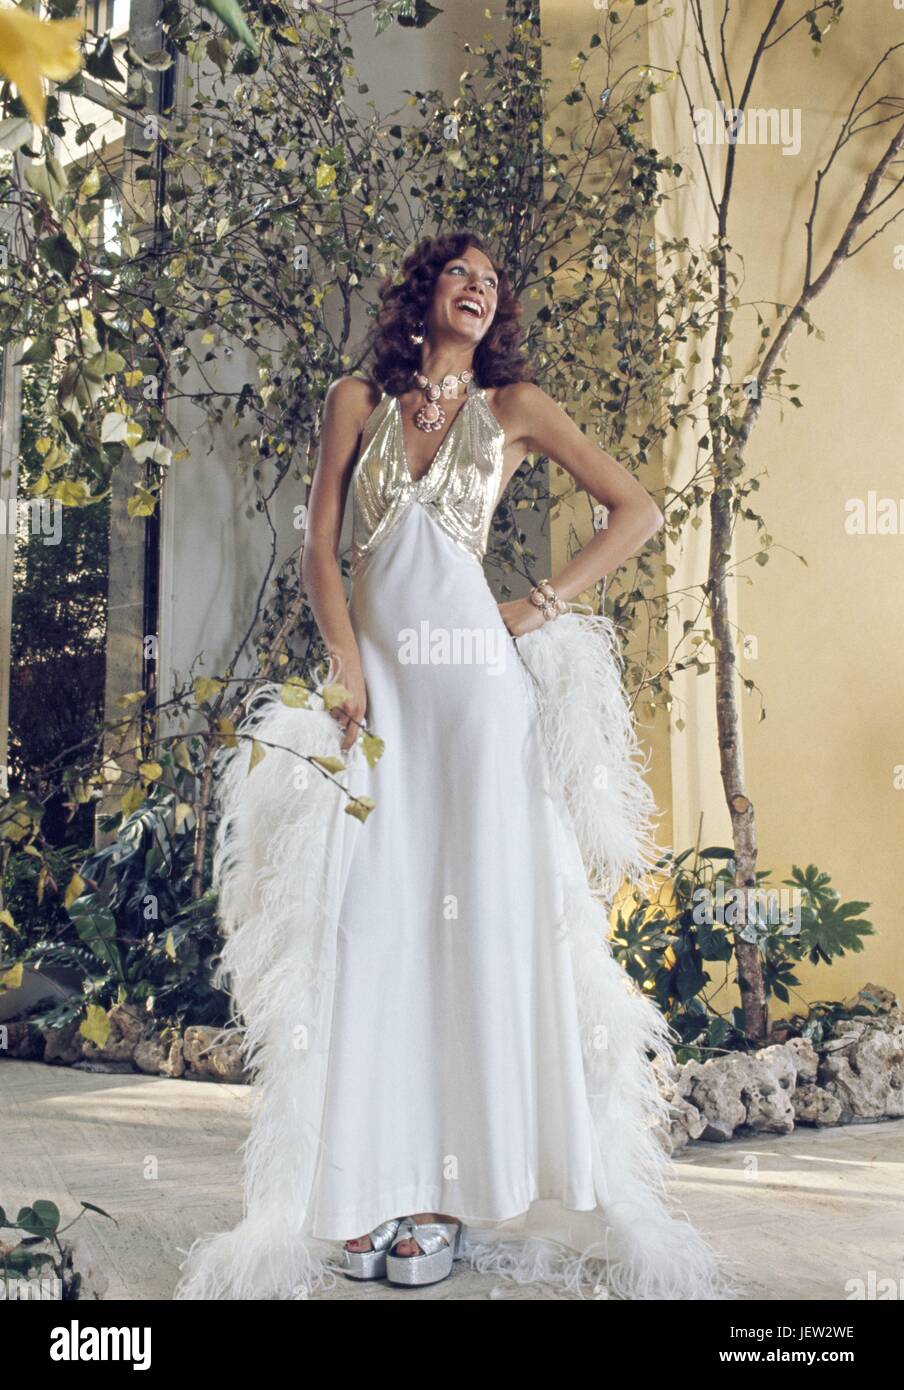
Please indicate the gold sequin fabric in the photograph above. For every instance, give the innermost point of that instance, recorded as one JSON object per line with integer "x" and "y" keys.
{"x": 460, "y": 489}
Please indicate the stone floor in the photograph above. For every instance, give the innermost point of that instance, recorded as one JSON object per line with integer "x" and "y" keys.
{"x": 803, "y": 1213}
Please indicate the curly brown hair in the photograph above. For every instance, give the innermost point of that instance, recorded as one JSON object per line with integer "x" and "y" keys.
{"x": 404, "y": 304}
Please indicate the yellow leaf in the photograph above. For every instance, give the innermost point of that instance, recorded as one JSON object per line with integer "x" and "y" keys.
{"x": 131, "y": 800}
{"x": 111, "y": 770}
{"x": 227, "y": 732}
{"x": 360, "y": 807}
{"x": 294, "y": 693}
{"x": 141, "y": 503}
{"x": 6, "y": 918}
{"x": 11, "y": 978}
{"x": 258, "y": 753}
{"x": 74, "y": 889}
{"x": 43, "y": 444}
{"x": 32, "y": 47}
{"x": 54, "y": 459}
{"x": 133, "y": 378}
{"x": 41, "y": 484}
{"x": 129, "y": 699}
{"x": 372, "y": 747}
{"x": 205, "y": 687}
{"x": 151, "y": 772}
{"x": 96, "y": 1025}
{"x": 90, "y": 183}
{"x": 72, "y": 492}
{"x": 183, "y": 809}
{"x": 169, "y": 946}
{"x": 325, "y": 175}
{"x": 181, "y": 756}
{"x": 335, "y": 695}
{"x": 329, "y": 764}
{"x": 147, "y": 318}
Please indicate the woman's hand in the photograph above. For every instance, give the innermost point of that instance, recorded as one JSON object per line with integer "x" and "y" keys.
{"x": 520, "y": 616}
{"x": 346, "y": 670}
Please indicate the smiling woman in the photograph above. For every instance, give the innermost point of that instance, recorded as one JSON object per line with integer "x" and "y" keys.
{"x": 474, "y": 1054}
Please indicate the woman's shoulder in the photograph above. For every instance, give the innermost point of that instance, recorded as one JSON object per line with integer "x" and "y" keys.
{"x": 355, "y": 395}
{"x": 515, "y": 402}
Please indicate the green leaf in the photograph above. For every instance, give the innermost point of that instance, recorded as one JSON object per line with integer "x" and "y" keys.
{"x": 41, "y": 350}
{"x": 418, "y": 15}
{"x": 100, "y": 62}
{"x": 231, "y": 14}
{"x": 41, "y": 1219}
{"x": 47, "y": 180}
{"x": 59, "y": 253}
{"x": 90, "y": 1206}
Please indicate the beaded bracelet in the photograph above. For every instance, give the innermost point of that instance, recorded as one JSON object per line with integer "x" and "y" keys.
{"x": 544, "y": 597}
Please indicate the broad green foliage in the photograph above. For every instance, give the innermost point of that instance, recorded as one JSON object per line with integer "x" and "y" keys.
{"x": 37, "y": 1251}
{"x": 668, "y": 944}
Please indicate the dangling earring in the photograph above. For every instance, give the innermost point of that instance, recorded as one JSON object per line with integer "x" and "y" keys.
{"x": 418, "y": 336}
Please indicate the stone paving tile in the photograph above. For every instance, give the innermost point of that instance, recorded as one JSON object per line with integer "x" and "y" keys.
{"x": 804, "y": 1213}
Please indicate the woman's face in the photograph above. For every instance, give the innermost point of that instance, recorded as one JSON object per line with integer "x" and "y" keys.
{"x": 464, "y": 297}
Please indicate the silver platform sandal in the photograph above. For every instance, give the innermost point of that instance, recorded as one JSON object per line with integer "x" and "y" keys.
{"x": 441, "y": 1241}
{"x": 371, "y": 1264}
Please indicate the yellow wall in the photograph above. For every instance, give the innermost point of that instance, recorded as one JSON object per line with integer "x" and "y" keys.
{"x": 821, "y": 767}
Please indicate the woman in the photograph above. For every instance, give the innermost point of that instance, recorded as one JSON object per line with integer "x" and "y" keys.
{"x": 470, "y": 1054}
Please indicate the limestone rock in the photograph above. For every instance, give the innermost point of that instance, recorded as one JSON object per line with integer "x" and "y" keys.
{"x": 685, "y": 1123}
{"x": 749, "y": 1090}
{"x": 63, "y": 1045}
{"x": 214, "y": 1053}
{"x": 19, "y": 1039}
{"x": 876, "y": 999}
{"x": 863, "y": 1066}
{"x": 128, "y": 1025}
{"x": 806, "y": 1056}
{"x": 813, "y": 1105}
{"x": 161, "y": 1054}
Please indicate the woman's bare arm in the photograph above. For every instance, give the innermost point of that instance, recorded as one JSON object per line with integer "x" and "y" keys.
{"x": 348, "y": 403}
{"x": 538, "y": 425}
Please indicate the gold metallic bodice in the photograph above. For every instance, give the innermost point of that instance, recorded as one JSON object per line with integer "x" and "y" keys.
{"x": 460, "y": 489}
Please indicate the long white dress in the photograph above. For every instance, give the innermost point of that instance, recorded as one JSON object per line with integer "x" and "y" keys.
{"x": 432, "y": 1013}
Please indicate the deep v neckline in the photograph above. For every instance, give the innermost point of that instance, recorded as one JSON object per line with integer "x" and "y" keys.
{"x": 403, "y": 452}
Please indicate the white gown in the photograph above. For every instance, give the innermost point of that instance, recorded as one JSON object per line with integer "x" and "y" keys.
{"x": 432, "y": 1012}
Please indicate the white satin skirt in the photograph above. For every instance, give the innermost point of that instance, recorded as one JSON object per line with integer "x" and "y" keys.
{"x": 455, "y": 1081}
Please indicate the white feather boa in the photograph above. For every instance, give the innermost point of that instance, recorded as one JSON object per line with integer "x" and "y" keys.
{"x": 283, "y": 848}
{"x": 592, "y": 747}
